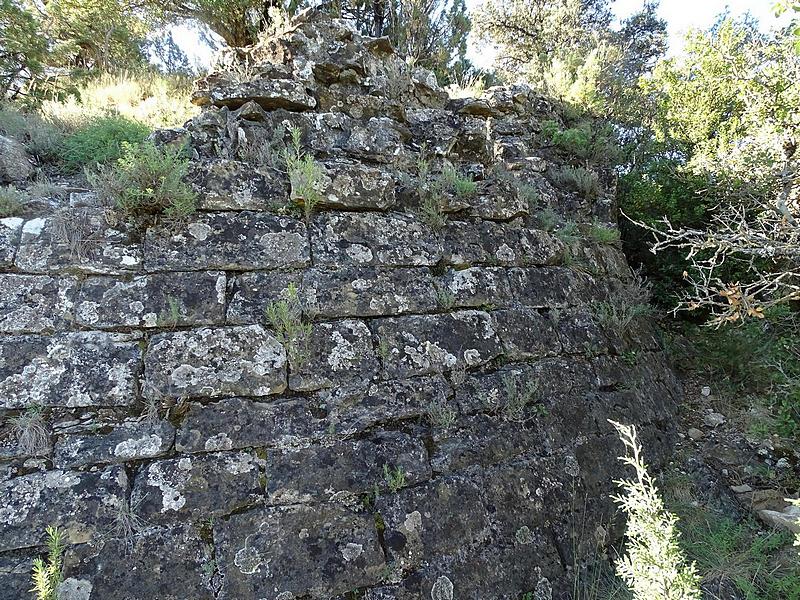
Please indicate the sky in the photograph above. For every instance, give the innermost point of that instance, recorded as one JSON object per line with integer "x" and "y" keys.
{"x": 681, "y": 15}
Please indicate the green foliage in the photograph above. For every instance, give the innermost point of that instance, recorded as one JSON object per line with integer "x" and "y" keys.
{"x": 40, "y": 135}
{"x": 12, "y": 201}
{"x": 579, "y": 179}
{"x": 24, "y": 48}
{"x": 305, "y": 175}
{"x": 569, "y": 233}
{"x": 589, "y": 140}
{"x": 547, "y": 219}
{"x": 394, "y": 477}
{"x": 518, "y": 400}
{"x": 453, "y": 181}
{"x": 145, "y": 181}
{"x": 286, "y": 318}
{"x": 741, "y": 553}
{"x": 654, "y": 567}
{"x": 627, "y": 302}
{"x": 756, "y": 362}
{"x": 47, "y": 575}
{"x": 30, "y": 430}
{"x": 603, "y": 234}
{"x": 101, "y": 141}
{"x": 440, "y": 414}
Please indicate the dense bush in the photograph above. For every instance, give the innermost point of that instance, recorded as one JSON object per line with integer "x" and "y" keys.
{"x": 101, "y": 141}
{"x": 146, "y": 180}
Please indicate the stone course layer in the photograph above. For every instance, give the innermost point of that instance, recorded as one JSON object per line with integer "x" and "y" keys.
{"x": 444, "y": 434}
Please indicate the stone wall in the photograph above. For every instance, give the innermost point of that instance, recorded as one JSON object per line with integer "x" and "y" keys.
{"x": 446, "y": 436}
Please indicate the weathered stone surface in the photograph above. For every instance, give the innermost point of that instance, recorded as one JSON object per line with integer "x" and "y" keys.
{"x": 320, "y": 472}
{"x": 352, "y": 185}
{"x": 358, "y": 407}
{"x": 15, "y": 575}
{"x": 72, "y": 369}
{"x": 79, "y": 239}
{"x": 379, "y": 139}
{"x": 277, "y": 550}
{"x": 82, "y": 504}
{"x": 241, "y": 423}
{"x": 10, "y": 231}
{"x": 368, "y": 291}
{"x": 231, "y": 241}
{"x": 475, "y": 287}
{"x": 158, "y": 300}
{"x": 393, "y": 239}
{"x": 234, "y": 185}
{"x": 338, "y": 353}
{"x": 267, "y": 93}
{"x": 253, "y": 292}
{"x": 419, "y": 345}
{"x": 197, "y": 487}
{"x": 472, "y": 243}
{"x": 131, "y": 440}
{"x": 442, "y": 517}
{"x": 34, "y": 303}
{"x": 213, "y": 362}
{"x": 551, "y": 287}
{"x": 157, "y": 562}
{"x": 526, "y": 333}
{"x": 15, "y": 164}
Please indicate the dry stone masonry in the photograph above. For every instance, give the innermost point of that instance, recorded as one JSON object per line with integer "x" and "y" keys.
{"x": 445, "y": 435}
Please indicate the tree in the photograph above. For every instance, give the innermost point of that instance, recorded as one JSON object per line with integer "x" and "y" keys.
{"x": 730, "y": 103}
{"x": 22, "y": 53}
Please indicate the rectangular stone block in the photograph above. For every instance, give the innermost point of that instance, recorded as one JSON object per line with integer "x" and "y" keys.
{"x": 213, "y": 362}
{"x": 320, "y": 472}
{"x": 549, "y": 287}
{"x": 78, "y": 239}
{"x": 10, "y": 231}
{"x": 469, "y": 243}
{"x": 35, "y": 303}
{"x": 420, "y": 345}
{"x": 197, "y": 487}
{"x": 442, "y": 517}
{"x": 253, "y": 292}
{"x": 72, "y": 369}
{"x": 241, "y": 423}
{"x": 156, "y": 562}
{"x": 336, "y": 353}
{"x": 274, "y": 552}
{"x": 232, "y": 241}
{"x": 369, "y": 291}
{"x": 475, "y": 287}
{"x": 83, "y": 505}
{"x": 369, "y": 238}
{"x": 158, "y": 300}
{"x": 130, "y": 440}
{"x": 354, "y": 185}
{"x": 224, "y": 184}
{"x": 526, "y": 333}
{"x": 354, "y": 408}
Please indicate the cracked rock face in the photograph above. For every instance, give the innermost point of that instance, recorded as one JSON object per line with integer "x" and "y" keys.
{"x": 392, "y": 397}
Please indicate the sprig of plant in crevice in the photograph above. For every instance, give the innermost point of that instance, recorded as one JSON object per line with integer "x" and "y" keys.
{"x": 286, "y": 318}
{"x": 306, "y": 176}
{"x": 47, "y": 573}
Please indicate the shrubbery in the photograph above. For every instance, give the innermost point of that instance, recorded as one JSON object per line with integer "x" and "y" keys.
{"x": 146, "y": 180}
{"x": 101, "y": 141}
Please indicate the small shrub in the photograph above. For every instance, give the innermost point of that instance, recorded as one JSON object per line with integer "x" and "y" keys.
{"x": 654, "y": 567}
{"x": 30, "y": 429}
{"x": 445, "y": 298}
{"x": 569, "y": 233}
{"x": 518, "y": 400}
{"x": 47, "y": 575}
{"x": 101, "y": 141}
{"x": 603, "y": 234}
{"x": 547, "y": 219}
{"x": 305, "y": 176}
{"x": 580, "y": 179}
{"x": 586, "y": 141}
{"x": 41, "y": 136}
{"x": 461, "y": 185}
{"x": 440, "y": 414}
{"x": 394, "y": 477}
{"x": 146, "y": 180}
{"x": 626, "y": 302}
{"x": 432, "y": 210}
{"x": 12, "y": 201}
{"x": 286, "y": 318}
